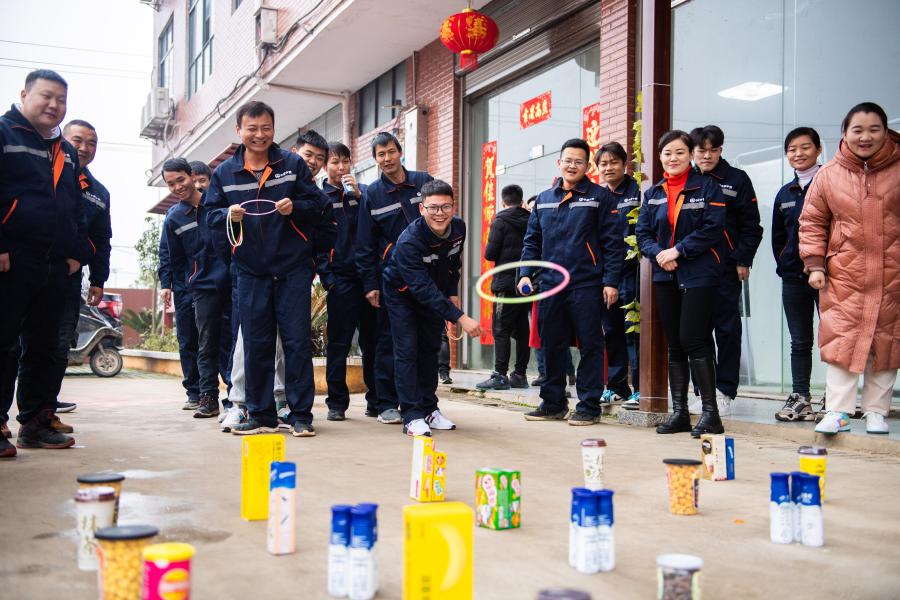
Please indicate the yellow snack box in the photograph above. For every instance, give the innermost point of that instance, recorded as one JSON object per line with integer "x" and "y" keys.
{"x": 437, "y": 551}
{"x": 427, "y": 480}
{"x": 257, "y": 454}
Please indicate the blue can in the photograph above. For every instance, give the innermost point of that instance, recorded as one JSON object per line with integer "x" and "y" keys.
{"x": 374, "y": 508}
{"x": 282, "y": 475}
{"x": 348, "y": 189}
{"x": 780, "y": 492}
{"x": 362, "y": 527}
{"x": 340, "y": 525}
{"x": 605, "y": 507}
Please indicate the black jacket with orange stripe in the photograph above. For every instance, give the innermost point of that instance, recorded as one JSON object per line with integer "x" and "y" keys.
{"x": 273, "y": 245}
{"x": 743, "y": 232}
{"x": 699, "y": 226}
{"x": 578, "y": 230}
{"x": 99, "y": 228}
{"x": 41, "y": 213}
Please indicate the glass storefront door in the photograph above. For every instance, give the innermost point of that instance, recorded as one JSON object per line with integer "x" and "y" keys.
{"x": 758, "y": 69}
{"x": 527, "y": 155}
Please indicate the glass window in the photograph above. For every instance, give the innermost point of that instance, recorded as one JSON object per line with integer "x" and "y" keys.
{"x": 525, "y": 156}
{"x": 199, "y": 43}
{"x": 798, "y": 76}
{"x": 164, "y": 57}
{"x": 377, "y": 97}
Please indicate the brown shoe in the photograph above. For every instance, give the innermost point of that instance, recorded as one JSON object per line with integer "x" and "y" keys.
{"x": 4, "y": 431}
{"x": 59, "y": 426}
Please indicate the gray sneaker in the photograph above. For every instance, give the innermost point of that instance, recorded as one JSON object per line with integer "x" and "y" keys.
{"x": 191, "y": 404}
{"x": 390, "y": 416}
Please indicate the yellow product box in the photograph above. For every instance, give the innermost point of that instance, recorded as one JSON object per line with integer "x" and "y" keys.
{"x": 428, "y": 476}
{"x": 437, "y": 551}
{"x": 258, "y": 452}
{"x": 717, "y": 456}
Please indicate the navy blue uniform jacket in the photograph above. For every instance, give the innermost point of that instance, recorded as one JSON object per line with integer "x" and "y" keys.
{"x": 187, "y": 259}
{"x": 579, "y": 230}
{"x": 41, "y": 211}
{"x": 426, "y": 267}
{"x": 340, "y": 261}
{"x": 786, "y": 230}
{"x": 386, "y": 210}
{"x": 274, "y": 245}
{"x": 698, "y": 231}
{"x": 742, "y": 231}
{"x": 99, "y": 228}
{"x": 627, "y": 197}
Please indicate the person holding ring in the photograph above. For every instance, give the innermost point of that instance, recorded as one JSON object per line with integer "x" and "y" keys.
{"x": 680, "y": 229}
{"x": 574, "y": 224}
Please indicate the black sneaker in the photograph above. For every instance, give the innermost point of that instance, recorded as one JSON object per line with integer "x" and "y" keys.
{"x": 518, "y": 381}
{"x": 496, "y": 381}
{"x": 444, "y": 377}
{"x": 580, "y": 418}
{"x": 336, "y": 415}
{"x": 251, "y": 427}
{"x": 371, "y": 412}
{"x": 191, "y": 404}
{"x": 299, "y": 429}
{"x": 40, "y": 435}
{"x": 209, "y": 407}
{"x": 64, "y": 407}
{"x": 7, "y": 450}
{"x": 539, "y": 380}
{"x": 572, "y": 379}
{"x": 542, "y": 415}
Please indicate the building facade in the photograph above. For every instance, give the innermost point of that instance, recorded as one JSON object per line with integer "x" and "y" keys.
{"x": 561, "y": 69}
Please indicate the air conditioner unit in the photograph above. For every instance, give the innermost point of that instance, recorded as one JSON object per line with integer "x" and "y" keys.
{"x": 156, "y": 112}
{"x": 266, "y": 25}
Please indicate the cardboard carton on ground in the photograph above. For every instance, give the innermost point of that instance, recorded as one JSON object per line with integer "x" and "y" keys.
{"x": 498, "y": 498}
{"x": 437, "y": 551}
{"x": 428, "y": 476}
{"x": 258, "y": 452}
{"x": 717, "y": 454}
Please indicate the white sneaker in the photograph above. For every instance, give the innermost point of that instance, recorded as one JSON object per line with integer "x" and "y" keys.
{"x": 417, "y": 427}
{"x": 437, "y": 420}
{"x": 233, "y": 416}
{"x": 875, "y": 423}
{"x": 696, "y": 407}
{"x": 833, "y": 422}
{"x": 724, "y": 403}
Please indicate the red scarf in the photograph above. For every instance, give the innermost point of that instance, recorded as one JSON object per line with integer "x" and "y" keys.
{"x": 674, "y": 185}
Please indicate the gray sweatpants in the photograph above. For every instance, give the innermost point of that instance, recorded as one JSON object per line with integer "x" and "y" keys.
{"x": 237, "y": 372}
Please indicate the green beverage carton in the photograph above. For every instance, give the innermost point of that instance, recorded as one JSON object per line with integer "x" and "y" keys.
{"x": 498, "y": 498}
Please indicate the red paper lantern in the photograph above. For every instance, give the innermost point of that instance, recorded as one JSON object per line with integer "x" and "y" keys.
{"x": 469, "y": 33}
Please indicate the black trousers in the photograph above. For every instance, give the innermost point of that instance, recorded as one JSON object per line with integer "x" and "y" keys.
{"x": 687, "y": 317}
{"x": 212, "y": 312}
{"x": 510, "y": 322}
{"x": 31, "y": 308}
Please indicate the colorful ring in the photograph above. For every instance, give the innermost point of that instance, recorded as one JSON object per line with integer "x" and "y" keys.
{"x": 235, "y": 241}
{"x": 262, "y": 214}
{"x": 543, "y": 264}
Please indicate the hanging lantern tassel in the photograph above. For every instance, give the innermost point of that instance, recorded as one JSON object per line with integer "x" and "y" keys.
{"x": 469, "y": 33}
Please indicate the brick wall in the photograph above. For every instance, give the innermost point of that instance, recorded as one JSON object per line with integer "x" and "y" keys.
{"x": 618, "y": 70}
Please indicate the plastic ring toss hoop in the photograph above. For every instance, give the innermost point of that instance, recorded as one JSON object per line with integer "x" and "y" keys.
{"x": 237, "y": 240}
{"x": 543, "y": 264}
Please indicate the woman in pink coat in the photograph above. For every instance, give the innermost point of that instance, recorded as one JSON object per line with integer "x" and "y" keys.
{"x": 850, "y": 246}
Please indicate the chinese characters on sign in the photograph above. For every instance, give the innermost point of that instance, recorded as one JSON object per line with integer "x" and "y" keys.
{"x": 532, "y": 112}
{"x": 488, "y": 209}
{"x": 590, "y": 131}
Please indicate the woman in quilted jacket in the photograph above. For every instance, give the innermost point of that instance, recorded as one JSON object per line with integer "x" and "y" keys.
{"x": 850, "y": 246}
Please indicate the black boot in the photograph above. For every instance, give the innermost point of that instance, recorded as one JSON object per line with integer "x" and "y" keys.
{"x": 680, "y": 421}
{"x": 704, "y": 370}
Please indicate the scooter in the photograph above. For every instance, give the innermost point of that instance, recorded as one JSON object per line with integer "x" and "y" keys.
{"x": 99, "y": 339}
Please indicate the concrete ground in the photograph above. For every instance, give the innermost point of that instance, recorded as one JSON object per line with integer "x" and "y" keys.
{"x": 183, "y": 476}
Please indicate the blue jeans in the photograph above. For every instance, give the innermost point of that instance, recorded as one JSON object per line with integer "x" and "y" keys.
{"x": 800, "y": 302}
